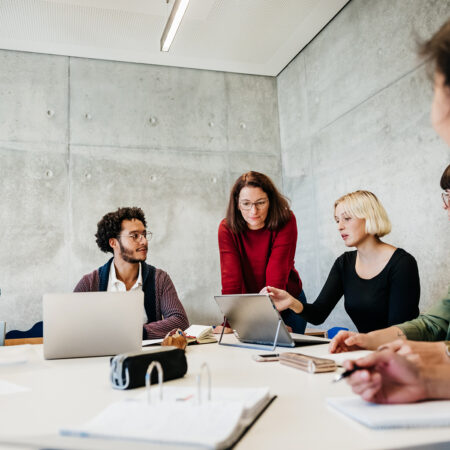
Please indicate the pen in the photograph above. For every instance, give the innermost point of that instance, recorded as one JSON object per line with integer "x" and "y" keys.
{"x": 347, "y": 373}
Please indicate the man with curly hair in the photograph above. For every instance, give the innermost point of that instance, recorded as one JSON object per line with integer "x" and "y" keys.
{"x": 123, "y": 233}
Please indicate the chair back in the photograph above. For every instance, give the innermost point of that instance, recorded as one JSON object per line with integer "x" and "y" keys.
{"x": 32, "y": 336}
{"x": 332, "y": 332}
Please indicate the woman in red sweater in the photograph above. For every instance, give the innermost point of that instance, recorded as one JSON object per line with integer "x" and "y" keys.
{"x": 257, "y": 242}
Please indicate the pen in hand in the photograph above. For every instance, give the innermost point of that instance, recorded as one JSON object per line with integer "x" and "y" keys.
{"x": 347, "y": 373}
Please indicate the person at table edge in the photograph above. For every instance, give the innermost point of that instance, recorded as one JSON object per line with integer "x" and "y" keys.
{"x": 123, "y": 233}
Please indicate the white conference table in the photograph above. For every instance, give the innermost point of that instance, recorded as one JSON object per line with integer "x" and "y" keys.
{"x": 71, "y": 391}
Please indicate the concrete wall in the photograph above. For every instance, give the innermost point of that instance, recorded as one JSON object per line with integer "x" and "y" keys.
{"x": 354, "y": 114}
{"x": 79, "y": 138}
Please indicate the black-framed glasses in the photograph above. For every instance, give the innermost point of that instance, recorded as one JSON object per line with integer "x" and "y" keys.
{"x": 446, "y": 198}
{"x": 247, "y": 206}
{"x": 137, "y": 237}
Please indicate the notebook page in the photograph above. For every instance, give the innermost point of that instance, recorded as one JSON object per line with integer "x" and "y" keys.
{"x": 423, "y": 414}
{"x": 211, "y": 424}
{"x": 198, "y": 330}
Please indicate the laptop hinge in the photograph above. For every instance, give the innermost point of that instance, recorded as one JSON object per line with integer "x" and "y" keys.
{"x": 258, "y": 347}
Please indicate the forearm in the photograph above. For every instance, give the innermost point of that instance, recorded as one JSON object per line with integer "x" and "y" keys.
{"x": 436, "y": 379}
{"x": 168, "y": 308}
{"x": 295, "y": 305}
{"x": 380, "y": 337}
{"x": 160, "y": 328}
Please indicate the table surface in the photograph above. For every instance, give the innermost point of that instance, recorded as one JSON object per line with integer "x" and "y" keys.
{"x": 71, "y": 391}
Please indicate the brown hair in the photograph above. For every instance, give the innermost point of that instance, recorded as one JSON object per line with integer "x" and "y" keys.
{"x": 279, "y": 213}
{"x": 445, "y": 179}
{"x": 437, "y": 50}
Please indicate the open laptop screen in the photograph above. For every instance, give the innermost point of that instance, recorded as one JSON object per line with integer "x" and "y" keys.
{"x": 255, "y": 319}
{"x": 83, "y": 324}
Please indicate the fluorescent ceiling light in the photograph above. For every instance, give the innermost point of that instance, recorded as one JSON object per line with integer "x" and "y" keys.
{"x": 178, "y": 10}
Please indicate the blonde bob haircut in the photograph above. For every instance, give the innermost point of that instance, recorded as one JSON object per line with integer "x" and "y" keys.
{"x": 365, "y": 205}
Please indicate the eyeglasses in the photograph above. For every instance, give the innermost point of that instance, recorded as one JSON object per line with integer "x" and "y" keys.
{"x": 260, "y": 204}
{"x": 136, "y": 237}
{"x": 446, "y": 199}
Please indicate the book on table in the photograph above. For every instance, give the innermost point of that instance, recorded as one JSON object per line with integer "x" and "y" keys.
{"x": 195, "y": 334}
{"x": 200, "y": 334}
{"x": 182, "y": 417}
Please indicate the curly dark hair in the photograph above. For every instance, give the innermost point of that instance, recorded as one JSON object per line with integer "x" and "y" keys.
{"x": 110, "y": 225}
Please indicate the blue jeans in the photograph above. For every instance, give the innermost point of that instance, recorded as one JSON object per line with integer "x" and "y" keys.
{"x": 293, "y": 320}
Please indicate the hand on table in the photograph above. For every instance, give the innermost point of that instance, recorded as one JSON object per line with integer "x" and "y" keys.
{"x": 348, "y": 341}
{"x": 387, "y": 377}
{"x": 218, "y": 329}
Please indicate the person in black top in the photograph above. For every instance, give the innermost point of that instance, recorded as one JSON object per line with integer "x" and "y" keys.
{"x": 379, "y": 282}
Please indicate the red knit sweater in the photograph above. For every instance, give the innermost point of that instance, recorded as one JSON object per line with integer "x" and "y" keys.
{"x": 257, "y": 258}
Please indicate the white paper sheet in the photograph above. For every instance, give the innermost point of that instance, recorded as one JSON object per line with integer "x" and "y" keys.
{"x": 17, "y": 354}
{"x": 422, "y": 414}
{"x": 10, "y": 388}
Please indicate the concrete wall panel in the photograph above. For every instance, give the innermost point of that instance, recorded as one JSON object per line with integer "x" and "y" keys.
{"x": 368, "y": 46}
{"x": 33, "y": 97}
{"x": 123, "y": 104}
{"x": 252, "y": 114}
{"x": 33, "y": 257}
{"x": 365, "y": 102}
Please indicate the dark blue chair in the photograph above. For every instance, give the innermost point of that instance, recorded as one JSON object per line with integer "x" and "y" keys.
{"x": 36, "y": 331}
{"x": 332, "y": 332}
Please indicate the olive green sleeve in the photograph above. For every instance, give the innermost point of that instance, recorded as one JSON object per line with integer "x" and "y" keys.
{"x": 431, "y": 326}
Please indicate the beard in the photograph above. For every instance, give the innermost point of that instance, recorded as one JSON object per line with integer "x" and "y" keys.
{"x": 127, "y": 255}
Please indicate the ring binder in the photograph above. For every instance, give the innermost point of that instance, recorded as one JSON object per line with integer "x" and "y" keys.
{"x": 179, "y": 418}
{"x": 148, "y": 383}
{"x": 199, "y": 381}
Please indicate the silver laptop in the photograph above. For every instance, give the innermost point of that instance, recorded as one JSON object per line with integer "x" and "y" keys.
{"x": 83, "y": 324}
{"x": 255, "y": 320}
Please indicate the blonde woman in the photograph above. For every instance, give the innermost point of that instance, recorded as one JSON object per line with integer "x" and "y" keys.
{"x": 379, "y": 282}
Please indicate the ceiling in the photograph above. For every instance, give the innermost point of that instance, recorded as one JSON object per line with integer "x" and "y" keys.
{"x": 245, "y": 36}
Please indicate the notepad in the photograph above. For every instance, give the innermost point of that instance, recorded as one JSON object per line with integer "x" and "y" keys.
{"x": 179, "y": 419}
{"x": 200, "y": 334}
{"x": 411, "y": 415}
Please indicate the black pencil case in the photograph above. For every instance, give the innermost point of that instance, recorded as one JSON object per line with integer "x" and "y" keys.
{"x": 128, "y": 370}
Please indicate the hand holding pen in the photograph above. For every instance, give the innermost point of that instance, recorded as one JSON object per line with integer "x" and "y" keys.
{"x": 347, "y": 373}
{"x": 385, "y": 377}
{"x": 351, "y": 366}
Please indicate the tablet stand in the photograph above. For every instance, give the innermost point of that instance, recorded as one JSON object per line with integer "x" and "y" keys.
{"x": 258, "y": 347}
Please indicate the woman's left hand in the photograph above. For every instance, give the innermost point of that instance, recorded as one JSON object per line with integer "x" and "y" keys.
{"x": 281, "y": 299}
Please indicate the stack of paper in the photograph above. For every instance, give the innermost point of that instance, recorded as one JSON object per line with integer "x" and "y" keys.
{"x": 179, "y": 418}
